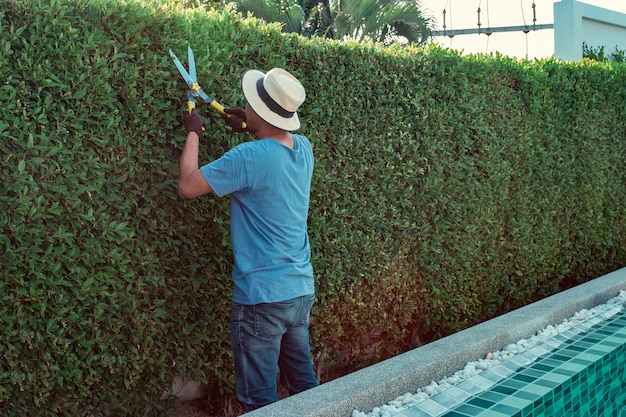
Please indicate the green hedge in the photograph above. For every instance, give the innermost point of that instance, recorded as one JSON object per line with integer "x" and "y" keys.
{"x": 447, "y": 190}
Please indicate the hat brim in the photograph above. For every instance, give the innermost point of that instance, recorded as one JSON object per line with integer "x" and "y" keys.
{"x": 248, "y": 85}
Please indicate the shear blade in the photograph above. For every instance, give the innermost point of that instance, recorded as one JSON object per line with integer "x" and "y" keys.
{"x": 182, "y": 69}
{"x": 192, "y": 64}
{"x": 191, "y": 80}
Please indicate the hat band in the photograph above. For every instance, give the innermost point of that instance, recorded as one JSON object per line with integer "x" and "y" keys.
{"x": 269, "y": 101}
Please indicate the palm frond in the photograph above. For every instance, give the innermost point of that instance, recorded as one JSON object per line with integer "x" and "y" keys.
{"x": 287, "y": 12}
{"x": 385, "y": 21}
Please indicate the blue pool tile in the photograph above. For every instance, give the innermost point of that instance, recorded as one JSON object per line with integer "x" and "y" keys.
{"x": 517, "y": 402}
{"x": 470, "y": 388}
{"x": 454, "y": 413}
{"x": 504, "y": 409}
{"x": 540, "y": 350}
{"x": 504, "y": 389}
{"x": 413, "y": 412}
{"x": 493, "y": 413}
{"x": 502, "y": 371}
{"x": 432, "y": 407}
{"x": 491, "y": 375}
{"x": 493, "y": 396}
{"x": 511, "y": 365}
{"x": 552, "y": 343}
{"x": 468, "y": 409}
{"x": 457, "y": 393}
{"x": 556, "y": 377}
{"x": 446, "y": 400}
{"x": 521, "y": 360}
{"x": 480, "y": 402}
{"x": 542, "y": 366}
{"x": 526, "y": 395}
{"x": 512, "y": 383}
{"x": 523, "y": 378}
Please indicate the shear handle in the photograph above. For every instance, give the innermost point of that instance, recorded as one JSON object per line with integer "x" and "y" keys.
{"x": 217, "y": 106}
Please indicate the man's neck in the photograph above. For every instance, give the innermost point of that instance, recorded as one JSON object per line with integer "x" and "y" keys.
{"x": 279, "y": 135}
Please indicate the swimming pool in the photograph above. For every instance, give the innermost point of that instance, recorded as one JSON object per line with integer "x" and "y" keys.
{"x": 581, "y": 372}
{"x": 585, "y": 376}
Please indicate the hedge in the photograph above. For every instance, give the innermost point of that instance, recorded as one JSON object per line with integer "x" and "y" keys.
{"x": 448, "y": 189}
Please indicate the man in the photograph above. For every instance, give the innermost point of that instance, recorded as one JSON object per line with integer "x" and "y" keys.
{"x": 269, "y": 182}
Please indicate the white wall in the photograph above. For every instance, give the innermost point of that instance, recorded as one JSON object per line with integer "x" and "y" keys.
{"x": 576, "y": 22}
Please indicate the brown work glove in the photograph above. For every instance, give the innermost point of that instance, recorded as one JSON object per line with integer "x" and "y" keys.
{"x": 194, "y": 123}
{"x": 234, "y": 117}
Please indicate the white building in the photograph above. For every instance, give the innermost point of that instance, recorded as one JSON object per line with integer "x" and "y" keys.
{"x": 576, "y": 23}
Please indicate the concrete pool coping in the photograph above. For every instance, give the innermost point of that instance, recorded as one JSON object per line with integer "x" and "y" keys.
{"x": 380, "y": 383}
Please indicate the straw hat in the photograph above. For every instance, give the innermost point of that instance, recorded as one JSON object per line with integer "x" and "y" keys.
{"x": 274, "y": 96}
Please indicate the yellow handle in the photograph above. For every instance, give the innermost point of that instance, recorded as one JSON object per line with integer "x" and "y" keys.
{"x": 190, "y": 106}
{"x": 217, "y": 106}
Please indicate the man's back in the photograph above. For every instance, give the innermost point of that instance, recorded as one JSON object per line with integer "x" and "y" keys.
{"x": 269, "y": 195}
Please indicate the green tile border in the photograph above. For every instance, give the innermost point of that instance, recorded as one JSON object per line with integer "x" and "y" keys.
{"x": 555, "y": 383}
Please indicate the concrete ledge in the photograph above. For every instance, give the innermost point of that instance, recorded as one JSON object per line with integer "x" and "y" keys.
{"x": 378, "y": 384}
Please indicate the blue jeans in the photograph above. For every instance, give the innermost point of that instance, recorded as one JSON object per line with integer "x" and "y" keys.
{"x": 268, "y": 337}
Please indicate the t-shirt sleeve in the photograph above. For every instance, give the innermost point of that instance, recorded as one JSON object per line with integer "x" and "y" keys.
{"x": 226, "y": 174}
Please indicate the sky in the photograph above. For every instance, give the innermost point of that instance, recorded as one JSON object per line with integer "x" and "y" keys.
{"x": 462, "y": 14}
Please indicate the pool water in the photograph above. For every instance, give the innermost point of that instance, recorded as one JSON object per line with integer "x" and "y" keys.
{"x": 580, "y": 373}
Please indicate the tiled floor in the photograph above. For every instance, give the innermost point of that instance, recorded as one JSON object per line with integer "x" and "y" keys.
{"x": 571, "y": 371}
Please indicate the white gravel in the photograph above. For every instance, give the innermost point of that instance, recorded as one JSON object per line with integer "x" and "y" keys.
{"x": 407, "y": 400}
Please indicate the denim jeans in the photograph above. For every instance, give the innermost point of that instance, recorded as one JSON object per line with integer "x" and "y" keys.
{"x": 268, "y": 337}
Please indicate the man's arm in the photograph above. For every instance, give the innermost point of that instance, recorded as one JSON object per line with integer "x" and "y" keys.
{"x": 191, "y": 183}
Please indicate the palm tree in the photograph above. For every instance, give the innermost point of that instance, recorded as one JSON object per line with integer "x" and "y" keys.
{"x": 288, "y": 12}
{"x": 386, "y": 21}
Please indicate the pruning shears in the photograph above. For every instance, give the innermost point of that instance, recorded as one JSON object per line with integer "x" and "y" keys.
{"x": 194, "y": 90}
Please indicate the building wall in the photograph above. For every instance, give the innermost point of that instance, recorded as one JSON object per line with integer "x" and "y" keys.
{"x": 576, "y": 22}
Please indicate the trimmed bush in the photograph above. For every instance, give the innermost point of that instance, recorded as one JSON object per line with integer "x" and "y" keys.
{"x": 447, "y": 190}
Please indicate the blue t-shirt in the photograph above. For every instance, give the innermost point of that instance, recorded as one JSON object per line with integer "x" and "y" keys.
{"x": 269, "y": 186}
